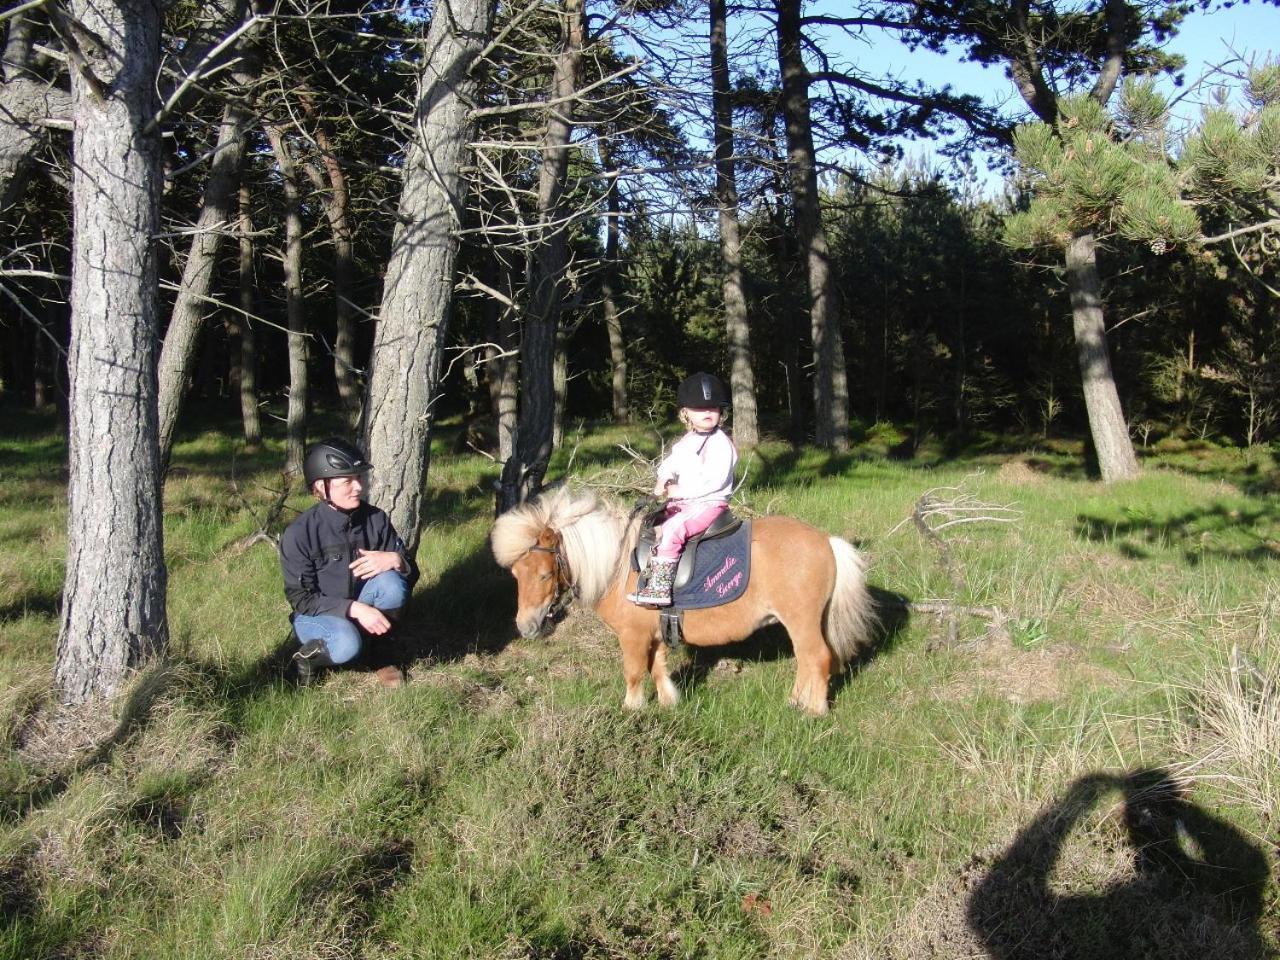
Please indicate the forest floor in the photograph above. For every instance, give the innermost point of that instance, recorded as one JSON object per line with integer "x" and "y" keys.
{"x": 1094, "y": 773}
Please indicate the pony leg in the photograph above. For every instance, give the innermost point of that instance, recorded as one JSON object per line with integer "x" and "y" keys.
{"x": 813, "y": 668}
{"x": 668, "y": 693}
{"x": 635, "y": 663}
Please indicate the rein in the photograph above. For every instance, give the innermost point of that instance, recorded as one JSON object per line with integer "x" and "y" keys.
{"x": 564, "y": 585}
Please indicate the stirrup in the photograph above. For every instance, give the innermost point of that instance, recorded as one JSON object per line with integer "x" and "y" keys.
{"x": 643, "y": 598}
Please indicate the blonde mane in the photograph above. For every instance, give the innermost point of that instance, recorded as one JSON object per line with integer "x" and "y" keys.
{"x": 593, "y": 532}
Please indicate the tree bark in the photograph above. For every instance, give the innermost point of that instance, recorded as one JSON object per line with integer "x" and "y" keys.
{"x": 249, "y": 418}
{"x": 413, "y": 325}
{"x": 1107, "y": 426}
{"x": 113, "y": 604}
{"x": 742, "y": 380}
{"x": 522, "y": 475}
{"x": 830, "y": 387}
{"x": 295, "y": 303}
{"x": 609, "y": 288}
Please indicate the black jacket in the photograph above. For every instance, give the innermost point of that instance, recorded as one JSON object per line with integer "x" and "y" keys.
{"x": 317, "y": 549}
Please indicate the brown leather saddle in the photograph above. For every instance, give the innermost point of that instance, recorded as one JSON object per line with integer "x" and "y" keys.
{"x": 721, "y": 526}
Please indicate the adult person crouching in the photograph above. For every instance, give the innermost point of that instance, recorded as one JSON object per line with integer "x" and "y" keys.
{"x": 346, "y": 571}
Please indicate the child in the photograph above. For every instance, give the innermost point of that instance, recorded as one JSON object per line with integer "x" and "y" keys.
{"x": 346, "y": 571}
{"x": 697, "y": 478}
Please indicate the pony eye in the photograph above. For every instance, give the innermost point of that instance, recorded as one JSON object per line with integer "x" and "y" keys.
{"x": 545, "y": 576}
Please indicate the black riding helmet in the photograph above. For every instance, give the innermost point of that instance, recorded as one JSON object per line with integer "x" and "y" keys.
{"x": 331, "y": 458}
{"x": 702, "y": 390}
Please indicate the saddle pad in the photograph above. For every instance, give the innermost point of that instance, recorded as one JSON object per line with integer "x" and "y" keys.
{"x": 723, "y": 566}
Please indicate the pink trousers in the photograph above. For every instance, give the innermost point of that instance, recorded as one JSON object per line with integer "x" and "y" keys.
{"x": 681, "y": 523}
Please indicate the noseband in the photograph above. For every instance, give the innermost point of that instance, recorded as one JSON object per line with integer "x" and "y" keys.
{"x": 564, "y": 585}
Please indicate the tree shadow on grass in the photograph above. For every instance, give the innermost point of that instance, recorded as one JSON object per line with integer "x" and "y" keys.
{"x": 1195, "y": 890}
{"x": 364, "y": 880}
{"x": 1220, "y": 530}
{"x": 470, "y": 609}
{"x": 74, "y": 739}
{"x": 772, "y": 644}
{"x": 33, "y": 602}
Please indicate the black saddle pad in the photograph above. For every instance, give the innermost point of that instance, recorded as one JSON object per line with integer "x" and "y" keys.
{"x": 721, "y": 570}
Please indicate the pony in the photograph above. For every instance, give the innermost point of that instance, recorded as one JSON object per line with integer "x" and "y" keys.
{"x": 572, "y": 544}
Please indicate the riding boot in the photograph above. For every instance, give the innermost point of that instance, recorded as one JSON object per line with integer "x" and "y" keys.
{"x": 657, "y": 589}
{"x": 311, "y": 658}
{"x": 391, "y": 675}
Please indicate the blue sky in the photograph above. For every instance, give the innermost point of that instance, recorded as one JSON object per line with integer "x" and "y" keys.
{"x": 1206, "y": 40}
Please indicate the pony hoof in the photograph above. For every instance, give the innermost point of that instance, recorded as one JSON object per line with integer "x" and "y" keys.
{"x": 633, "y": 703}
{"x": 668, "y": 694}
{"x": 812, "y": 709}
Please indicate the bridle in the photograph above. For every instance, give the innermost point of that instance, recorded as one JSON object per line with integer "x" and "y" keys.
{"x": 564, "y": 584}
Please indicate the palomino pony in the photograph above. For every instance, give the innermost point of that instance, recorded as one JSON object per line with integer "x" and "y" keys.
{"x": 568, "y": 544}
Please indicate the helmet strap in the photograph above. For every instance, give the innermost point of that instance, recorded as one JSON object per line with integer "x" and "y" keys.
{"x": 328, "y": 498}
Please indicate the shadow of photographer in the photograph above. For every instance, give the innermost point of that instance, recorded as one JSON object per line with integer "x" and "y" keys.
{"x": 1195, "y": 888}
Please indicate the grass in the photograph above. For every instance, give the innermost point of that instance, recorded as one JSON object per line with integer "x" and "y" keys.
{"x": 502, "y": 805}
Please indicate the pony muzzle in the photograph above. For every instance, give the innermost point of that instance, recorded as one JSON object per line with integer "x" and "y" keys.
{"x": 536, "y": 623}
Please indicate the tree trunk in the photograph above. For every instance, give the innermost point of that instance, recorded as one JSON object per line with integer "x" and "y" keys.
{"x": 960, "y": 351}
{"x": 337, "y": 206}
{"x": 113, "y": 602}
{"x": 504, "y": 361}
{"x": 830, "y": 387}
{"x": 192, "y": 303}
{"x": 295, "y": 302}
{"x": 250, "y": 421}
{"x": 793, "y": 330}
{"x": 560, "y": 385}
{"x": 742, "y": 380}
{"x": 413, "y": 325}
{"x": 522, "y": 475}
{"x": 609, "y": 288}
{"x": 1110, "y": 433}
{"x": 27, "y": 106}
{"x": 217, "y": 211}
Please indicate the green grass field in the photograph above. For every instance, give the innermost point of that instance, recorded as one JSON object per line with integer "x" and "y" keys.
{"x": 983, "y": 787}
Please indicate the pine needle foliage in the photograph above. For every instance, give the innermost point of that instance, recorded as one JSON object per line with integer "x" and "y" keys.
{"x": 1108, "y": 174}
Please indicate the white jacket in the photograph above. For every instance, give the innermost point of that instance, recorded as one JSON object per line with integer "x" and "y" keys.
{"x": 701, "y": 466}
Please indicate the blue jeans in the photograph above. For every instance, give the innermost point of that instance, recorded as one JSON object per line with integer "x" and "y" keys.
{"x": 387, "y": 591}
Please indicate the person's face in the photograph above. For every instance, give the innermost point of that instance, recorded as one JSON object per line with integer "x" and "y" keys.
{"x": 703, "y": 419}
{"x": 344, "y": 492}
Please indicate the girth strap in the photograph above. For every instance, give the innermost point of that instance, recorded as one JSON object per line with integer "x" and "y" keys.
{"x": 671, "y": 626}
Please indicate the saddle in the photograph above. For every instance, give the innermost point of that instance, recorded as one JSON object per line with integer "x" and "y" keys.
{"x": 716, "y": 574}
{"x": 721, "y": 526}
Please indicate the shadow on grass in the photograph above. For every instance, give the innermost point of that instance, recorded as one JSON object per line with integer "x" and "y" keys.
{"x": 69, "y": 723}
{"x": 1196, "y": 888}
{"x": 1255, "y": 473}
{"x": 364, "y": 880}
{"x": 772, "y": 644}
{"x": 1238, "y": 533}
{"x": 33, "y": 602}
{"x": 470, "y": 609}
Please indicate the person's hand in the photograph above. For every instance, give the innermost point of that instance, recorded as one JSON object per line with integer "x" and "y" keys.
{"x": 660, "y": 488}
{"x": 371, "y": 619}
{"x": 370, "y": 563}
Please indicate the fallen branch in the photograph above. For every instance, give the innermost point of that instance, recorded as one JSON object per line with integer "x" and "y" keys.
{"x": 268, "y": 522}
{"x": 932, "y": 513}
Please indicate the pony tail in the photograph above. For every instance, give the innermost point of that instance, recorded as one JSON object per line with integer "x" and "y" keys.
{"x": 851, "y": 616}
